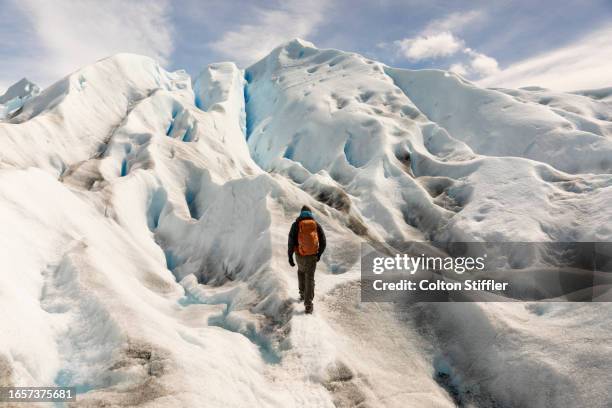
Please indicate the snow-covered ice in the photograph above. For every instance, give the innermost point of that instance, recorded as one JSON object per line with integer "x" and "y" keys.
{"x": 145, "y": 218}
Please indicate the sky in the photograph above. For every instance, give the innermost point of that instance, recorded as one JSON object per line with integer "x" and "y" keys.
{"x": 561, "y": 45}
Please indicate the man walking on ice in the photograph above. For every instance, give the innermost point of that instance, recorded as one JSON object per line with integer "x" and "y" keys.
{"x": 307, "y": 240}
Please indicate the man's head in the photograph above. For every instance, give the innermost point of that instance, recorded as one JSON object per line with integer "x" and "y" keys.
{"x": 306, "y": 212}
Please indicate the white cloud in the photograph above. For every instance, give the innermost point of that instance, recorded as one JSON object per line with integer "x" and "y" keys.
{"x": 429, "y": 46}
{"x": 586, "y": 63}
{"x": 439, "y": 40}
{"x": 454, "y": 22}
{"x": 271, "y": 27}
{"x": 477, "y": 65}
{"x": 459, "y": 68}
{"x": 71, "y": 34}
{"x": 481, "y": 64}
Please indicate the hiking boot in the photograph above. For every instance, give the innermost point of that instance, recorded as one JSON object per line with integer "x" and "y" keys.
{"x": 308, "y": 309}
{"x": 301, "y": 298}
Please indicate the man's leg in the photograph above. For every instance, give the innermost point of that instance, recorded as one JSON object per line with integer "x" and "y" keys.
{"x": 301, "y": 275}
{"x": 301, "y": 284}
{"x": 309, "y": 282}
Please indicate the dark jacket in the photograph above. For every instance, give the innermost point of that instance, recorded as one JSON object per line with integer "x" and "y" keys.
{"x": 293, "y": 234}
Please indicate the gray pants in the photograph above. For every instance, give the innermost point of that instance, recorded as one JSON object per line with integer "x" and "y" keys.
{"x": 306, "y": 271}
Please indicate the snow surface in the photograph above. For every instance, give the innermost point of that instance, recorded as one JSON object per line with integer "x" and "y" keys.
{"x": 145, "y": 218}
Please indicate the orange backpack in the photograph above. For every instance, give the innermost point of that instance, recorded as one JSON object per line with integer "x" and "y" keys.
{"x": 308, "y": 239}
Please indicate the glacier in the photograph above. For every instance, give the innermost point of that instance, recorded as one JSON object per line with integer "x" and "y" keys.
{"x": 146, "y": 214}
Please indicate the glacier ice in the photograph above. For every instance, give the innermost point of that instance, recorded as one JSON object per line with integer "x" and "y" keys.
{"x": 145, "y": 217}
{"x": 16, "y": 96}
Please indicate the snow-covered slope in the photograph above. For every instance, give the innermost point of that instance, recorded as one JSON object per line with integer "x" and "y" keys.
{"x": 145, "y": 222}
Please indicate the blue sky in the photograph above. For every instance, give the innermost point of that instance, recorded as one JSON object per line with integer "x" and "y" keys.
{"x": 562, "y": 45}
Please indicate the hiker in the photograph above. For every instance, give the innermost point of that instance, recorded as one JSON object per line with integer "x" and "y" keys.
{"x": 307, "y": 240}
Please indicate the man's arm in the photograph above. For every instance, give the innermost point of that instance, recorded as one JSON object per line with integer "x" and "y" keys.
{"x": 322, "y": 240}
{"x": 292, "y": 242}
